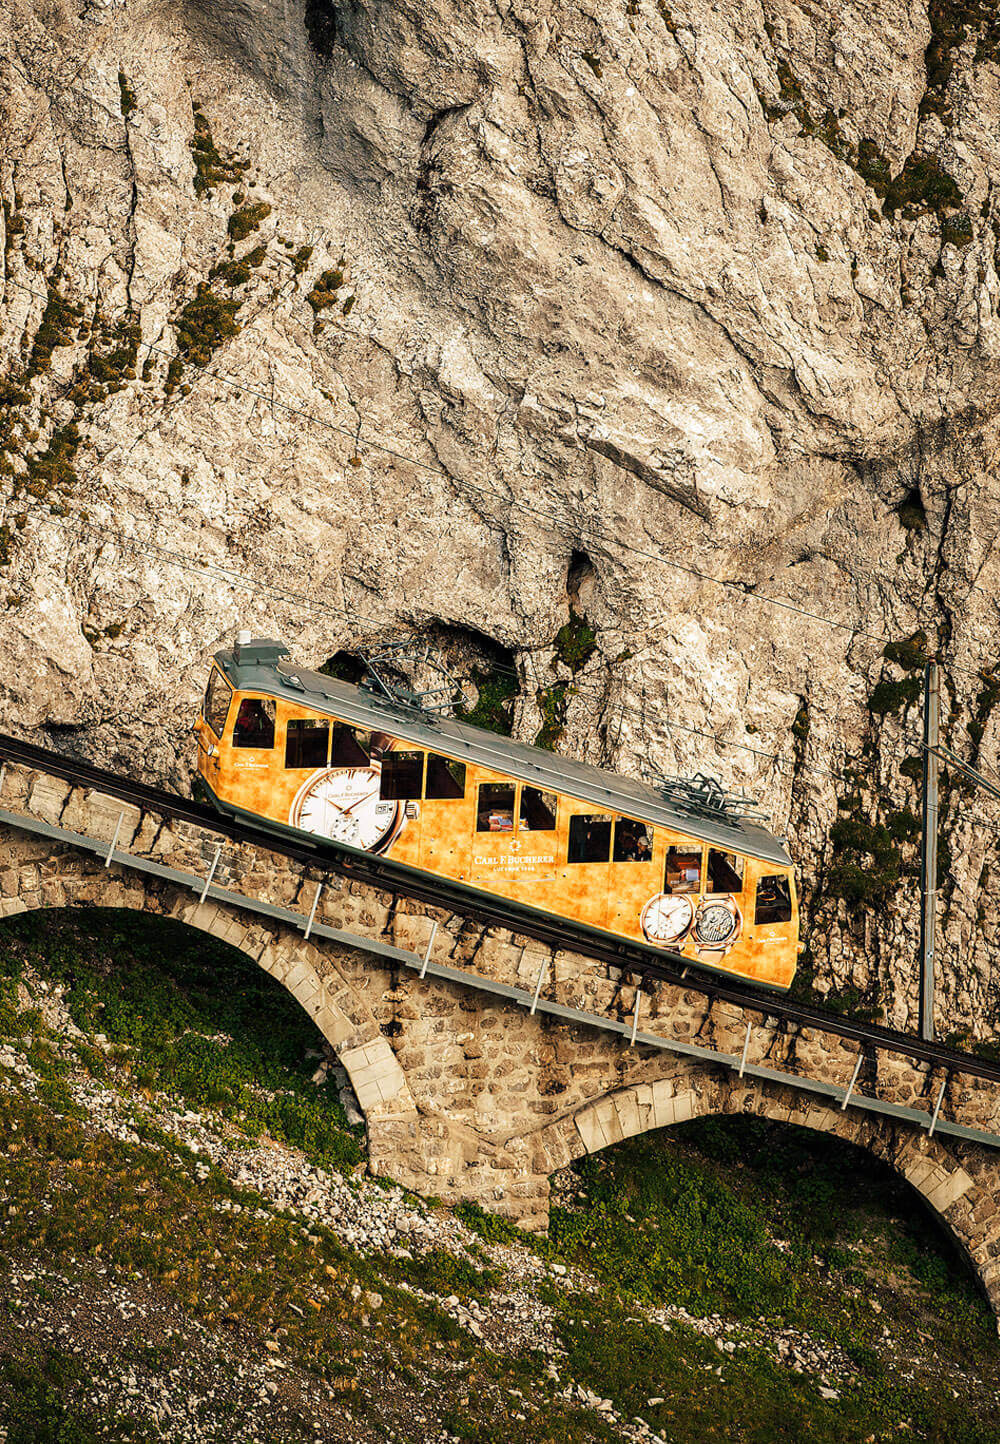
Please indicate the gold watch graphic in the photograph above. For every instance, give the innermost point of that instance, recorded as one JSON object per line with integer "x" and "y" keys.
{"x": 343, "y": 804}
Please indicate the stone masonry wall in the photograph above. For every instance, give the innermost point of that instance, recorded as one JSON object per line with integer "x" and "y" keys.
{"x": 466, "y": 1096}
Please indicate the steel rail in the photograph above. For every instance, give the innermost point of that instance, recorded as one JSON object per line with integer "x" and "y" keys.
{"x": 392, "y": 876}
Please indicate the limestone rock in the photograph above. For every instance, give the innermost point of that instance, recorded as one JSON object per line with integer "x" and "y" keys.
{"x": 347, "y": 322}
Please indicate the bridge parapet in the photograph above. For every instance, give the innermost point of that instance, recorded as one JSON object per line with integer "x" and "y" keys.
{"x": 484, "y": 1060}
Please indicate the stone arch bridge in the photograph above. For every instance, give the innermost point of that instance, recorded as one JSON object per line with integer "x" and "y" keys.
{"x": 483, "y": 1062}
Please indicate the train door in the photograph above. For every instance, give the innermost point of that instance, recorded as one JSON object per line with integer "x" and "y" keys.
{"x": 252, "y": 753}
{"x": 581, "y": 892}
{"x": 445, "y": 815}
{"x": 772, "y": 919}
{"x": 636, "y": 874}
{"x": 515, "y": 848}
{"x": 209, "y": 728}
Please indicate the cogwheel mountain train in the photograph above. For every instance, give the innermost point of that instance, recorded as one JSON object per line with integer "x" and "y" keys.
{"x": 306, "y": 753}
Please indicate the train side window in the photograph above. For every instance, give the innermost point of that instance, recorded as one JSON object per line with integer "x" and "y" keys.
{"x": 307, "y": 742}
{"x": 445, "y": 778}
{"x": 402, "y": 776}
{"x": 633, "y": 841}
{"x": 218, "y": 696}
{"x": 774, "y": 900}
{"x": 589, "y": 837}
{"x": 683, "y": 870}
{"x": 254, "y": 725}
{"x": 495, "y": 812}
{"x": 539, "y": 810}
{"x": 350, "y": 747}
{"x": 725, "y": 871}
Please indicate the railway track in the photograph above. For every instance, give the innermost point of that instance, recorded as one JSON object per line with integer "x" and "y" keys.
{"x": 336, "y": 859}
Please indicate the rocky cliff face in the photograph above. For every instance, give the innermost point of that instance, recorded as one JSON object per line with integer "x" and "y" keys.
{"x": 364, "y": 320}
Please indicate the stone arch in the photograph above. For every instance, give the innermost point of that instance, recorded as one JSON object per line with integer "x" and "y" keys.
{"x": 42, "y": 879}
{"x": 956, "y": 1181}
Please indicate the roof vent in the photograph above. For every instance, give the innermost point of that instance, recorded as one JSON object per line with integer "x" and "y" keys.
{"x": 243, "y": 637}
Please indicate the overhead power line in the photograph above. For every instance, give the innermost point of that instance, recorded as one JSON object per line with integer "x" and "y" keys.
{"x": 584, "y": 532}
{"x": 142, "y": 548}
{"x": 590, "y": 531}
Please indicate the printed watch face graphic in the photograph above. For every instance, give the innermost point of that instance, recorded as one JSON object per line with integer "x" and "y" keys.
{"x": 717, "y": 925}
{"x": 343, "y": 803}
{"x": 666, "y": 918}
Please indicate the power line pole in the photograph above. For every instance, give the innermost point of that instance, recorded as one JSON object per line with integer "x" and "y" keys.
{"x": 929, "y": 867}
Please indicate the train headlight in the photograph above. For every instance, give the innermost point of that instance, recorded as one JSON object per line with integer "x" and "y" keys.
{"x": 717, "y": 924}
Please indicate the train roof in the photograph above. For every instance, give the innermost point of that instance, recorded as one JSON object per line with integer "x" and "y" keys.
{"x": 260, "y": 666}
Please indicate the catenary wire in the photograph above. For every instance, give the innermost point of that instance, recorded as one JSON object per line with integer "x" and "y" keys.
{"x": 347, "y": 614}
{"x": 744, "y": 588}
{"x": 585, "y": 532}
{"x": 285, "y": 598}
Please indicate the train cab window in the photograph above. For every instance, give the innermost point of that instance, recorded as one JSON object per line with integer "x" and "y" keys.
{"x": 254, "y": 725}
{"x": 350, "y": 747}
{"x": 774, "y": 900}
{"x": 683, "y": 870}
{"x": 402, "y": 776}
{"x": 538, "y": 810}
{"x": 445, "y": 778}
{"x": 495, "y": 812}
{"x": 218, "y": 696}
{"x": 633, "y": 841}
{"x": 725, "y": 871}
{"x": 589, "y": 837}
{"x": 307, "y": 742}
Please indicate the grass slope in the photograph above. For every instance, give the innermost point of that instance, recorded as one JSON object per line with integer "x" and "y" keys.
{"x": 129, "y": 1252}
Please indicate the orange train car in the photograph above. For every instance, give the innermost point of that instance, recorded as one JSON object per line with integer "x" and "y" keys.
{"x": 306, "y": 753}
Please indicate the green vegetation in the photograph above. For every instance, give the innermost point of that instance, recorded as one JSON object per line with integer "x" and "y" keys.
{"x": 247, "y": 219}
{"x": 190, "y": 1015}
{"x": 923, "y": 185}
{"x": 890, "y": 696}
{"x": 211, "y": 168}
{"x": 301, "y": 259}
{"x": 325, "y": 288}
{"x": 494, "y": 707}
{"x": 442, "y": 1273}
{"x": 552, "y": 705}
{"x": 237, "y": 273}
{"x": 13, "y": 226}
{"x": 58, "y": 327}
{"x": 204, "y": 323}
{"x": 870, "y": 859}
{"x": 951, "y": 22}
{"x": 800, "y": 722}
{"x": 911, "y": 653}
{"x": 691, "y": 1217}
{"x": 52, "y": 470}
{"x": 575, "y": 642}
{"x": 112, "y": 352}
{"x": 956, "y": 231}
{"x": 44, "y": 1406}
{"x": 767, "y": 1226}
{"x": 128, "y": 100}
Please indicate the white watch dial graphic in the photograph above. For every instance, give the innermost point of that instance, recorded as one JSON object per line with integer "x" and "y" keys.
{"x": 343, "y": 803}
{"x": 666, "y": 918}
